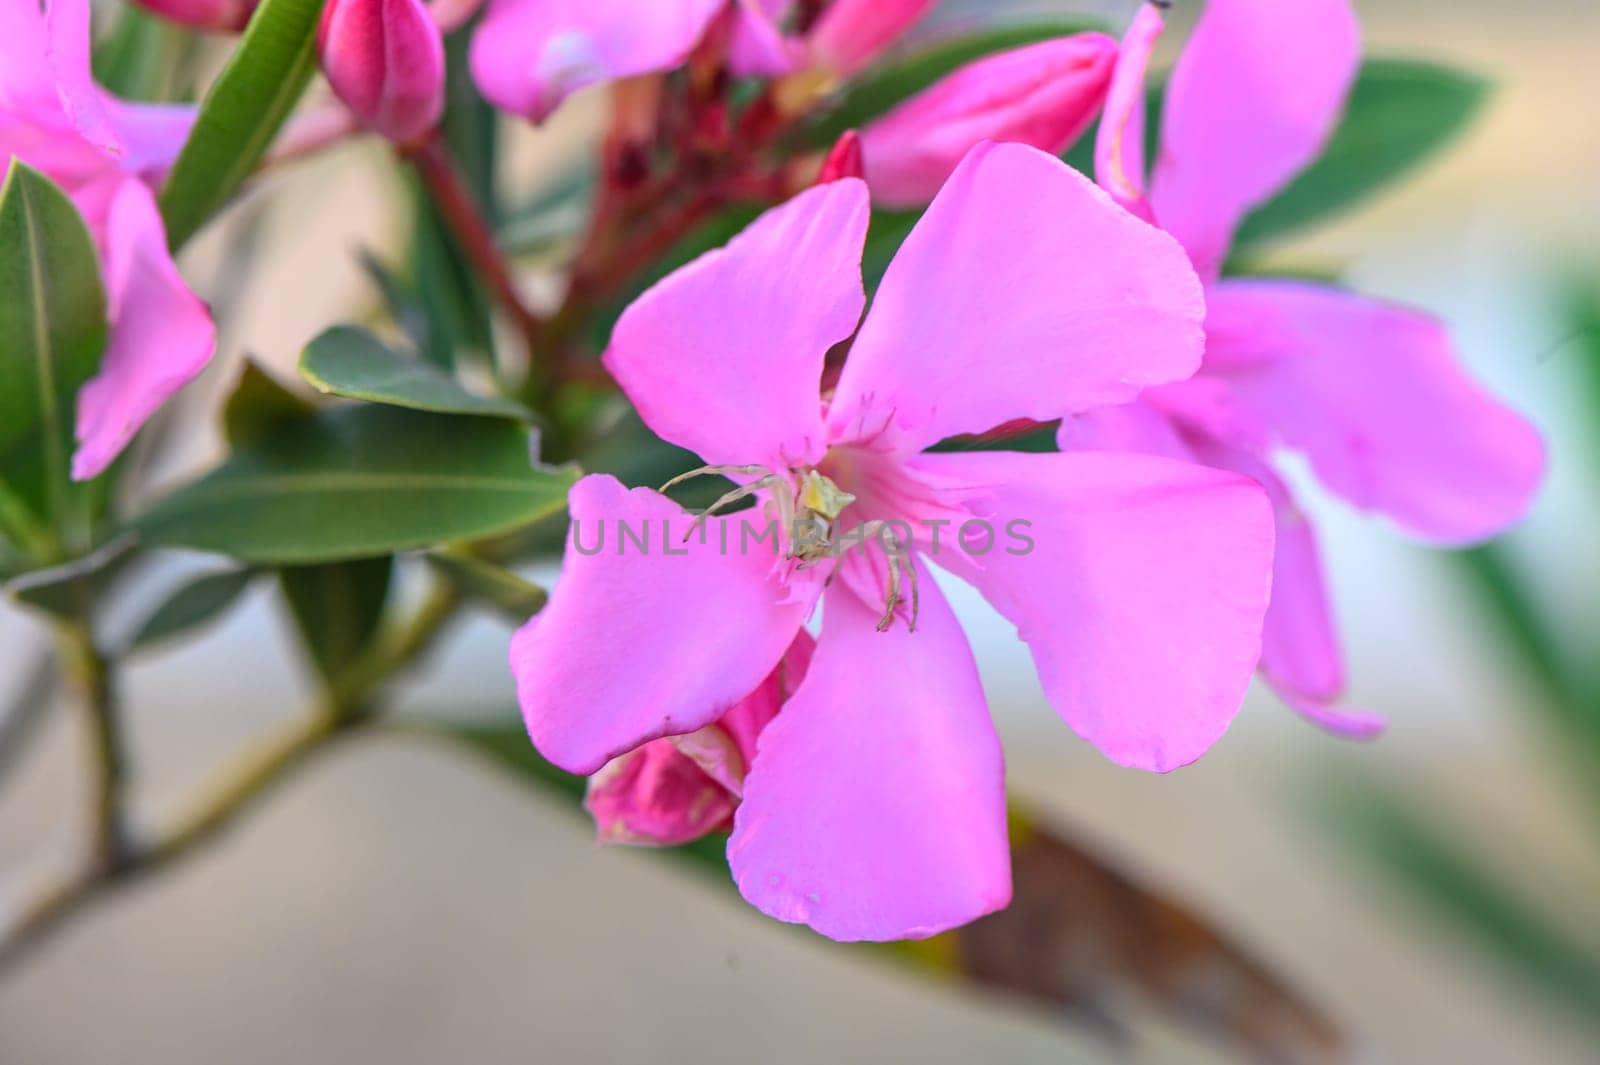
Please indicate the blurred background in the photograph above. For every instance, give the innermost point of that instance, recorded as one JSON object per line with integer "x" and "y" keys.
{"x": 1436, "y": 892}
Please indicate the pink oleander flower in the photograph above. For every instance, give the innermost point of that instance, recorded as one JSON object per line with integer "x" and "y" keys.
{"x": 875, "y": 806}
{"x": 1371, "y": 393}
{"x": 849, "y": 35}
{"x": 385, "y": 61}
{"x": 530, "y": 55}
{"x": 677, "y": 789}
{"x": 228, "y": 16}
{"x": 105, "y": 154}
{"x": 1044, "y": 95}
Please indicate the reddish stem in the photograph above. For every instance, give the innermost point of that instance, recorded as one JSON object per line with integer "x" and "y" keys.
{"x": 465, "y": 219}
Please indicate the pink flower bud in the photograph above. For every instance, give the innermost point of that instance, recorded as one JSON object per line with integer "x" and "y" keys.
{"x": 843, "y": 160}
{"x": 385, "y": 60}
{"x": 226, "y": 15}
{"x": 1043, "y": 95}
{"x": 673, "y": 791}
{"x": 851, "y": 33}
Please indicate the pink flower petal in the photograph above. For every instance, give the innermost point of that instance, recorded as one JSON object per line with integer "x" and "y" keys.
{"x": 25, "y": 77}
{"x": 1253, "y": 99}
{"x": 1024, "y": 292}
{"x": 1119, "y": 162}
{"x": 759, "y": 47}
{"x": 1350, "y": 724}
{"x": 1374, "y": 395}
{"x": 1044, "y": 95}
{"x": 852, "y": 33}
{"x": 876, "y": 808}
{"x": 1142, "y": 595}
{"x": 725, "y": 356}
{"x": 67, "y": 22}
{"x": 657, "y": 797}
{"x": 530, "y": 55}
{"x": 643, "y": 642}
{"x": 152, "y": 135}
{"x": 161, "y": 335}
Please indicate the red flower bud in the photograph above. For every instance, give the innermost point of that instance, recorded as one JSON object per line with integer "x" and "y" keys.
{"x": 843, "y": 160}
{"x": 228, "y": 15}
{"x": 385, "y": 60}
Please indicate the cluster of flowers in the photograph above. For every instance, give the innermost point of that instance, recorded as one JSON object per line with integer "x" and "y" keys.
{"x": 859, "y": 772}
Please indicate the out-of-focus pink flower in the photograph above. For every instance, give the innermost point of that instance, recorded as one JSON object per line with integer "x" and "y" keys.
{"x": 875, "y": 807}
{"x": 385, "y": 60}
{"x": 1371, "y": 393}
{"x": 1044, "y": 95}
{"x": 676, "y": 789}
{"x": 225, "y": 15}
{"x": 852, "y": 33}
{"x": 104, "y": 153}
{"x": 848, "y": 36}
{"x": 529, "y": 55}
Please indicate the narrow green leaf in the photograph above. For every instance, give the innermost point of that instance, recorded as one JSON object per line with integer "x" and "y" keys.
{"x": 337, "y": 608}
{"x": 351, "y": 362}
{"x": 192, "y": 607}
{"x": 52, "y": 331}
{"x": 880, "y": 90}
{"x": 514, "y": 598}
{"x": 257, "y": 405}
{"x": 359, "y": 481}
{"x": 242, "y": 113}
{"x": 1457, "y": 889}
{"x": 1401, "y": 113}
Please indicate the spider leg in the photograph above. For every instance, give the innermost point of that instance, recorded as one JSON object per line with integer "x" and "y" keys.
{"x": 716, "y": 471}
{"x": 731, "y": 498}
{"x": 893, "y": 601}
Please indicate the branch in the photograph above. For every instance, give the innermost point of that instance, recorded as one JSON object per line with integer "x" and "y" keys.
{"x": 344, "y": 711}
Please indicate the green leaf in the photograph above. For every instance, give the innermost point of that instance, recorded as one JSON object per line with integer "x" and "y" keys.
{"x": 52, "y": 331}
{"x": 1401, "y": 113}
{"x": 242, "y": 113}
{"x": 880, "y": 90}
{"x": 257, "y": 405}
{"x": 351, "y": 362}
{"x": 359, "y": 481}
{"x": 337, "y": 609}
{"x": 192, "y": 607}
{"x": 514, "y": 598}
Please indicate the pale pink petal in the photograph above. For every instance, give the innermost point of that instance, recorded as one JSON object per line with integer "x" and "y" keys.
{"x": 725, "y": 356}
{"x": 1138, "y": 582}
{"x": 68, "y": 50}
{"x": 656, "y": 796}
{"x": 876, "y": 808}
{"x": 759, "y": 47}
{"x": 1044, "y": 95}
{"x": 1350, "y": 724}
{"x": 643, "y": 642}
{"x": 26, "y": 81}
{"x": 1024, "y": 292}
{"x": 1253, "y": 99}
{"x": 1136, "y": 426}
{"x": 851, "y": 33}
{"x": 1374, "y": 395}
{"x": 152, "y": 135}
{"x": 1119, "y": 162}
{"x": 529, "y": 55}
{"x": 161, "y": 335}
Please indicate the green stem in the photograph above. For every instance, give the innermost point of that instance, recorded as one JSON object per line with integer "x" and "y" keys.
{"x": 97, "y": 681}
{"x": 346, "y": 710}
